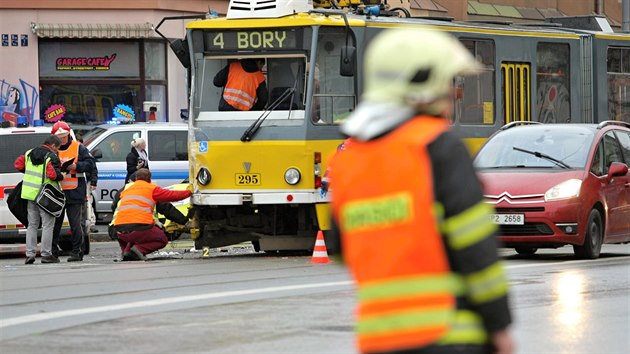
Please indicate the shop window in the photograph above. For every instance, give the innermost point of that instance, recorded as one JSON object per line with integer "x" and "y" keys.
{"x": 90, "y": 78}
{"x": 90, "y": 104}
{"x": 154, "y": 61}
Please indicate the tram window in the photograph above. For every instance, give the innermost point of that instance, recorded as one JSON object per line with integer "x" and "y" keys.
{"x": 619, "y": 84}
{"x": 553, "y": 87}
{"x": 624, "y": 140}
{"x": 333, "y": 95}
{"x": 283, "y": 74}
{"x": 474, "y": 99}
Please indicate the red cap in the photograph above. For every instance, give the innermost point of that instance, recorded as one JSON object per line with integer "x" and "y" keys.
{"x": 61, "y": 129}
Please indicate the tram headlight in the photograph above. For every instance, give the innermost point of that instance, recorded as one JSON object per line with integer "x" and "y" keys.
{"x": 203, "y": 176}
{"x": 292, "y": 176}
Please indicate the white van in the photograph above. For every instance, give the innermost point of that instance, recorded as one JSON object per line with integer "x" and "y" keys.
{"x": 13, "y": 143}
{"x": 167, "y": 147}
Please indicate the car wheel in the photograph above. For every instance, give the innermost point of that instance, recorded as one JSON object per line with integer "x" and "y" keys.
{"x": 527, "y": 251}
{"x": 593, "y": 238}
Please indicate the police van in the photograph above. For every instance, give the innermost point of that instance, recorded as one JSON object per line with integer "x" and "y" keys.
{"x": 13, "y": 143}
{"x": 166, "y": 145}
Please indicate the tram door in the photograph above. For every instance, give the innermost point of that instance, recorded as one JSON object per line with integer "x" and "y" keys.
{"x": 516, "y": 82}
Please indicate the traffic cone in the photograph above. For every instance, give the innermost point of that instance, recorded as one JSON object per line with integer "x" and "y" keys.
{"x": 320, "y": 254}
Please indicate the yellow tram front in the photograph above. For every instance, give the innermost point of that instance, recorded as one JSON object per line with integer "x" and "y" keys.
{"x": 256, "y": 174}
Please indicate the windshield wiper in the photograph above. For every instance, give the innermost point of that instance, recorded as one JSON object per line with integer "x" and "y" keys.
{"x": 543, "y": 156}
{"x": 251, "y": 131}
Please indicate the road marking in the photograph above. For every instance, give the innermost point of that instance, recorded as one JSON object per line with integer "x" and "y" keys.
{"x": 159, "y": 302}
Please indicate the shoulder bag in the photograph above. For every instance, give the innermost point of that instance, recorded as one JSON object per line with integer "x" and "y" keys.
{"x": 50, "y": 198}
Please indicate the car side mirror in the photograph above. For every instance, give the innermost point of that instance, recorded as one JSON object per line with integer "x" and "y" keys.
{"x": 617, "y": 169}
{"x": 97, "y": 153}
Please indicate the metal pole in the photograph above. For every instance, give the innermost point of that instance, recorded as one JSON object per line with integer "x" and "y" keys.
{"x": 625, "y": 27}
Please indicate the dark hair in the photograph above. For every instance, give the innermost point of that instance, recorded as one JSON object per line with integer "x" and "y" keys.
{"x": 52, "y": 140}
{"x": 143, "y": 174}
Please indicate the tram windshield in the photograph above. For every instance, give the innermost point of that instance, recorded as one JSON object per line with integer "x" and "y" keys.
{"x": 291, "y": 69}
{"x": 284, "y": 93}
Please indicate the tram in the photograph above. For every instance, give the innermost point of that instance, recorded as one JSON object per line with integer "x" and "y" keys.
{"x": 256, "y": 175}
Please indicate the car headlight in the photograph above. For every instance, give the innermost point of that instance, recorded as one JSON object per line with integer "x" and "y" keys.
{"x": 203, "y": 176}
{"x": 564, "y": 190}
{"x": 292, "y": 176}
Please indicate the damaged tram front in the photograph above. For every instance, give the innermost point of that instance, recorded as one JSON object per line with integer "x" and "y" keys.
{"x": 257, "y": 174}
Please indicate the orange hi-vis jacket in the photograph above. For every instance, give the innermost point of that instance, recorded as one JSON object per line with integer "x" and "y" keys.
{"x": 391, "y": 240}
{"x": 136, "y": 204}
{"x": 71, "y": 179}
{"x": 241, "y": 86}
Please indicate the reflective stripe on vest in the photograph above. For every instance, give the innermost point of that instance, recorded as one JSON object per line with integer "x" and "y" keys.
{"x": 241, "y": 86}
{"x": 136, "y": 204}
{"x": 391, "y": 241}
{"x": 32, "y": 180}
{"x": 71, "y": 179}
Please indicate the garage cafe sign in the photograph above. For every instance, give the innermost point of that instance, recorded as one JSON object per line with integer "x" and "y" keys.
{"x": 85, "y": 63}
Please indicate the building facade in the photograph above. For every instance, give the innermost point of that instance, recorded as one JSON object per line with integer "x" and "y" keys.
{"x": 88, "y": 61}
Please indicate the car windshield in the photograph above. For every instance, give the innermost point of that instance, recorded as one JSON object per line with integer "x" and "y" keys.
{"x": 92, "y": 134}
{"x": 537, "y": 147}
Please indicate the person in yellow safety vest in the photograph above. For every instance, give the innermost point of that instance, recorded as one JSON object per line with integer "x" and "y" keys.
{"x": 134, "y": 220}
{"x": 408, "y": 209}
{"x": 40, "y": 165}
{"x": 74, "y": 187}
{"x": 244, "y": 86}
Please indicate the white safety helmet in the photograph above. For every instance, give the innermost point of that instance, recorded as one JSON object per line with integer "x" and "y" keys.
{"x": 407, "y": 71}
{"x": 414, "y": 65}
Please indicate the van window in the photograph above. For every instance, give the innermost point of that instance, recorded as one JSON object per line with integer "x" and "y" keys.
{"x": 116, "y": 146}
{"x": 168, "y": 145}
{"x": 14, "y": 145}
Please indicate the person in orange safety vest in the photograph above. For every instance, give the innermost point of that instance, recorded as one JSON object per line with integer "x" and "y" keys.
{"x": 244, "y": 86}
{"x": 134, "y": 218}
{"x": 408, "y": 210}
{"x": 78, "y": 160}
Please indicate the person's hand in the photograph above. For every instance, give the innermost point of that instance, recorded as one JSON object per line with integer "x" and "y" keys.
{"x": 140, "y": 164}
{"x": 72, "y": 167}
{"x": 502, "y": 342}
{"x": 158, "y": 224}
{"x": 92, "y": 187}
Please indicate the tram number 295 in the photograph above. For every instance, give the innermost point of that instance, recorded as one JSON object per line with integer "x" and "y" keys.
{"x": 248, "y": 179}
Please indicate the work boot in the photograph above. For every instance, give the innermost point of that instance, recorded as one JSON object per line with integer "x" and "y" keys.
{"x": 129, "y": 256}
{"x": 75, "y": 258}
{"x": 29, "y": 260}
{"x": 137, "y": 253}
{"x": 50, "y": 259}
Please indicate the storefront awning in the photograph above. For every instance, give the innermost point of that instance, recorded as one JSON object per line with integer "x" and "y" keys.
{"x": 92, "y": 30}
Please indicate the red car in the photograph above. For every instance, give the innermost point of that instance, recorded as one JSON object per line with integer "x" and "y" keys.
{"x": 558, "y": 184}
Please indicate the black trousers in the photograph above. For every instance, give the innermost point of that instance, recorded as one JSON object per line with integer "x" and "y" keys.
{"x": 74, "y": 212}
{"x": 445, "y": 349}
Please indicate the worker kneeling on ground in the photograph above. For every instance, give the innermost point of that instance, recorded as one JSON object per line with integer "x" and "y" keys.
{"x": 134, "y": 222}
